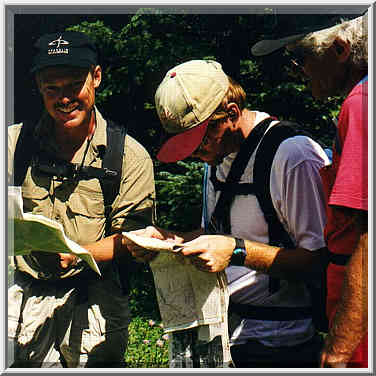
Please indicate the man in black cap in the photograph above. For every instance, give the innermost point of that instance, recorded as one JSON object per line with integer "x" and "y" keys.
{"x": 60, "y": 314}
{"x": 334, "y": 58}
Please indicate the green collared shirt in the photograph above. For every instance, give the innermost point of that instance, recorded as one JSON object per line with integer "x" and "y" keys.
{"x": 79, "y": 205}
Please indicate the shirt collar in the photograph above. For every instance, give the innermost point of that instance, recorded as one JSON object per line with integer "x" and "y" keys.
{"x": 44, "y": 132}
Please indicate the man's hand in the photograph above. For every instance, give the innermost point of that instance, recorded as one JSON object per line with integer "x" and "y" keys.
{"x": 330, "y": 360}
{"x": 142, "y": 254}
{"x": 211, "y": 253}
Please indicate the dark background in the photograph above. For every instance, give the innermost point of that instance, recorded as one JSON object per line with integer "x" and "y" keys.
{"x": 139, "y": 45}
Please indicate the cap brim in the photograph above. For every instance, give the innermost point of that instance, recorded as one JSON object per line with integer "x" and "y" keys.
{"x": 266, "y": 47}
{"x": 182, "y": 145}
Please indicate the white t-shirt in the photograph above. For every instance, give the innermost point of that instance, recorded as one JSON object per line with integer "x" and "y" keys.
{"x": 297, "y": 195}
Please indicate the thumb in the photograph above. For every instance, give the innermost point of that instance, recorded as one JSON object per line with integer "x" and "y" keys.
{"x": 190, "y": 249}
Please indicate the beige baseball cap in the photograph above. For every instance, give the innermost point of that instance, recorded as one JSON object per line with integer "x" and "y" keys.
{"x": 185, "y": 99}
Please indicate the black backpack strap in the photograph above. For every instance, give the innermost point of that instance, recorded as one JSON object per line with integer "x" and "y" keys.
{"x": 25, "y": 149}
{"x": 220, "y": 219}
{"x": 113, "y": 160}
{"x": 235, "y": 188}
{"x": 277, "y": 234}
{"x": 261, "y": 179}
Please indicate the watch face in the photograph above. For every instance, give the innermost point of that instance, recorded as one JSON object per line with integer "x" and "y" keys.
{"x": 238, "y": 257}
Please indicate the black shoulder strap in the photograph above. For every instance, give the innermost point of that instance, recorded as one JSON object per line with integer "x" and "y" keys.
{"x": 261, "y": 179}
{"x": 113, "y": 160}
{"x": 277, "y": 234}
{"x": 220, "y": 219}
{"x": 25, "y": 148}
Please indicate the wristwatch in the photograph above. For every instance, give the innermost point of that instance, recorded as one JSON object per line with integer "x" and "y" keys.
{"x": 239, "y": 254}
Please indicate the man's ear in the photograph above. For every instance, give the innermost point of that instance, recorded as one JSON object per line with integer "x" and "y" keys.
{"x": 233, "y": 111}
{"x": 341, "y": 49}
{"x": 97, "y": 76}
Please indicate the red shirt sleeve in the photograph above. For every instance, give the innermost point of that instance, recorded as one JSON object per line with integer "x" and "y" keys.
{"x": 351, "y": 184}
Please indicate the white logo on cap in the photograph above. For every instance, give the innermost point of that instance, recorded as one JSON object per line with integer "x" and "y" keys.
{"x": 57, "y": 42}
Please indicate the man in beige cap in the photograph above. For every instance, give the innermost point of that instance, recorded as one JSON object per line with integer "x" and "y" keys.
{"x": 267, "y": 274}
{"x": 334, "y": 60}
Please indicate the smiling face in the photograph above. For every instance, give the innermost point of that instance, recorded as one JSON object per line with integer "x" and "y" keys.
{"x": 69, "y": 93}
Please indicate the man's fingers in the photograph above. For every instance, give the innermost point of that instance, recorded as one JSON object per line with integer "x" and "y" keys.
{"x": 188, "y": 250}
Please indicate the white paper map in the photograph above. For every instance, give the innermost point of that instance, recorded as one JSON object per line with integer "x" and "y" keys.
{"x": 188, "y": 298}
{"x": 34, "y": 232}
{"x": 152, "y": 244}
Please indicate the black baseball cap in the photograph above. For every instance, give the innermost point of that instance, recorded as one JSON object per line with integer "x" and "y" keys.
{"x": 289, "y": 28}
{"x": 65, "y": 48}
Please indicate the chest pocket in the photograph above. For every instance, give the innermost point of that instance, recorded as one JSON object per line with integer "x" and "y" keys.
{"x": 36, "y": 199}
{"x": 85, "y": 219}
{"x": 86, "y": 201}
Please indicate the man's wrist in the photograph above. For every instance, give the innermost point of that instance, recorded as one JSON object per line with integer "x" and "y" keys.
{"x": 239, "y": 253}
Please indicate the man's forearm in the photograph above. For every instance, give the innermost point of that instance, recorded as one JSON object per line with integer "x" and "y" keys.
{"x": 213, "y": 254}
{"x": 281, "y": 262}
{"x": 350, "y": 323}
{"x": 106, "y": 249}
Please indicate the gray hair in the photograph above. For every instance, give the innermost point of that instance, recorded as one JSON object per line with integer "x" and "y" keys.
{"x": 354, "y": 32}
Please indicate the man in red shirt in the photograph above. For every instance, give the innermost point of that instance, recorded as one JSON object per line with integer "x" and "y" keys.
{"x": 335, "y": 60}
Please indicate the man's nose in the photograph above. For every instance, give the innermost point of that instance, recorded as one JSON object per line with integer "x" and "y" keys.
{"x": 66, "y": 94}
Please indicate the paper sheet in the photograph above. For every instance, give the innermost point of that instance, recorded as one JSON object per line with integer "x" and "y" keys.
{"x": 37, "y": 233}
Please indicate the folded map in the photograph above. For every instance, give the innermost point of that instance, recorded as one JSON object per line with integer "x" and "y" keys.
{"x": 33, "y": 232}
{"x": 153, "y": 244}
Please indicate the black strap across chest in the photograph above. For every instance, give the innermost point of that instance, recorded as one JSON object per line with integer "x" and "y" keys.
{"x": 268, "y": 144}
{"x": 112, "y": 159}
{"x": 220, "y": 219}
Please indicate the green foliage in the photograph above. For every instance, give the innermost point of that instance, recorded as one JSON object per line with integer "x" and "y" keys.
{"x": 179, "y": 195}
{"x": 142, "y": 297}
{"x": 137, "y": 53}
{"x": 147, "y": 345}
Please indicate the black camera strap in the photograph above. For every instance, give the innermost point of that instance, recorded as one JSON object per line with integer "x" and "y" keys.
{"x": 112, "y": 160}
{"x": 109, "y": 175}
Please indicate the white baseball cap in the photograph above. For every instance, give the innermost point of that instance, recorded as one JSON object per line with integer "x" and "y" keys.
{"x": 185, "y": 99}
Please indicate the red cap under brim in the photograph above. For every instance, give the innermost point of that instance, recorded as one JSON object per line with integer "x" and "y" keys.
{"x": 183, "y": 144}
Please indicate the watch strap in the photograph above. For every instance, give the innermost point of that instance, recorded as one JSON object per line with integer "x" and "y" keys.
{"x": 239, "y": 254}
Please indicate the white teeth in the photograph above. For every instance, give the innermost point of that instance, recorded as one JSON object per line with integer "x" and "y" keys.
{"x": 67, "y": 109}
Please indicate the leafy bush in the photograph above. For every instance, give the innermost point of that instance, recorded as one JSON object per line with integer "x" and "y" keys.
{"x": 179, "y": 195}
{"x": 147, "y": 345}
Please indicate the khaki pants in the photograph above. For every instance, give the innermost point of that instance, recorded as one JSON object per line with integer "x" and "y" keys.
{"x": 57, "y": 326}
